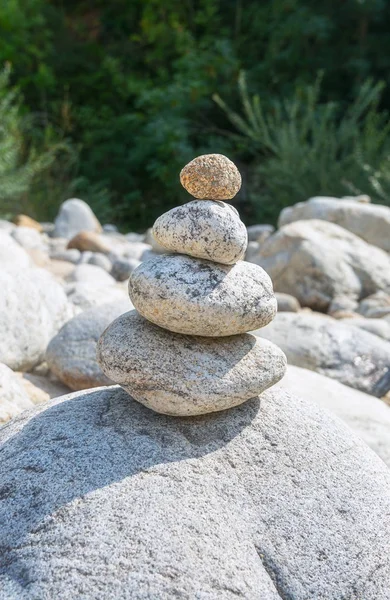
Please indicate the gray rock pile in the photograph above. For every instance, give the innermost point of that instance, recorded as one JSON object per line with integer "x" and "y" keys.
{"x": 186, "y": 350}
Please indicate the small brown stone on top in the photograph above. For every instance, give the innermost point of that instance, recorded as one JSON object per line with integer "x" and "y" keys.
{"x": 211, "y": 177}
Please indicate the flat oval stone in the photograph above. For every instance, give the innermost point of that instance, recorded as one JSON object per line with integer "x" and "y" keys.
{"x": 211, "y": 177}
{"x": 198, "y": 297}
{"x": 204, "y": 229}
{"x": 175, "y": 374}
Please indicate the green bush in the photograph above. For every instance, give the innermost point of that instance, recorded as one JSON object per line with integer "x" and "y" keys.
{"x": 25, "y": 167}
{"x": 129, "y": 83}
{"x": 303, "y": 147}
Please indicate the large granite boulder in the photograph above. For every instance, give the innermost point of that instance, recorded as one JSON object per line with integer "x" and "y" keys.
{"x": 12, "y": 255}
{"x": 369, "y": 221}
{"x": 379, "y": 327}
{"x": 33, "y": 307}
{"x": 13, "y": 397}
{"x": 316, "y": 261}
{"x": 71, "y": 354}
{"x": 29, "y": 238}
{"x": 349, "y": 354}
{"x": 103, "y": 499}
{"x": 368, "y": 416}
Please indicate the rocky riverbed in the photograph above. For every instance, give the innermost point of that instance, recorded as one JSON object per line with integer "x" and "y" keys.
{"x": 327, "y": 268}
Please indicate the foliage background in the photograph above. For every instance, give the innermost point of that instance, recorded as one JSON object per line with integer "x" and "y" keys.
{"x": 119, "y": 95}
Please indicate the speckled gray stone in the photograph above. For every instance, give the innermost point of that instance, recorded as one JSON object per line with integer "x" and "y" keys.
{"x": 211, "y": 177}
{"x": 198, "y": 297}
{"x": 181, "y": 375}
{"x": 33, "y": 307}
{"x": 104, "y": 500}
{"x": 71, "y": 354}
{"x": 317, "y": 261}
{"x": 317, "y": 342}
{"x": 204, "y": 229}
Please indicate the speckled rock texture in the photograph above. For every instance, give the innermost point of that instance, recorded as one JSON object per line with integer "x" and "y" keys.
{"x": 198, "y": 297}
{"x": 211, "y": 177}
{"x": 104, "y": 500}
{"x": 204, "y": 229}
{"x": 181, "y": 375}
{"x": 71, "y": 354}
{"x": 317, "y": 342}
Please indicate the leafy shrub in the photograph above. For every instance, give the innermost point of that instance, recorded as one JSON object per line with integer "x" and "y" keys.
{"x": 23, "y": 165}
{"x": 303, "y": 147}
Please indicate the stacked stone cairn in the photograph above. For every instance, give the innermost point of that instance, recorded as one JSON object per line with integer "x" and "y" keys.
{"x": 185, "y": 350}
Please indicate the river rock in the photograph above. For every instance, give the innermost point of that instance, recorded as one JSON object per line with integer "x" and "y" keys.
{"x": 60, "y": 269}
{"x": 371, "y": 222}
{"x": 177, "y": 375}
{"x": 103, "y": 499}
{"x": 135, "y": 250}
{"x": 123, "y": 267}
{"x": 198, "y": 297}
{"x": 88, "y": 273}
{"x": 287, "y": 303}
{"x": 342, "y": 304}
{"x": 317, "y": 342}
{"x": 150, "y": 239}
{"x": 71, "y": 354}
{"x": 74, "y": 216}
{"x": 259, "y": 233}
{"x": 316, "y": 261}
{"x": 13, "y": 397}
{"x": 379, "y": 327}
{"x": 33, "y": 307}
{"x": 90, "y": 241}
{"x": 204, "y": 229}
{"x": 252, "y": 251}
{"x": 211, "y": 177}
{"x": 71, "y": 255}
{"x": 41, "y": 388}
{"x": 368, "y": 416}
{"x": 98, "y": 259}
{"x": 375, "y": 306}
{"x": 12, "y": 255}
{"x": 28, "y": 238}
{"x": 85, "y": 295}
{"x": 26, "y": 221}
